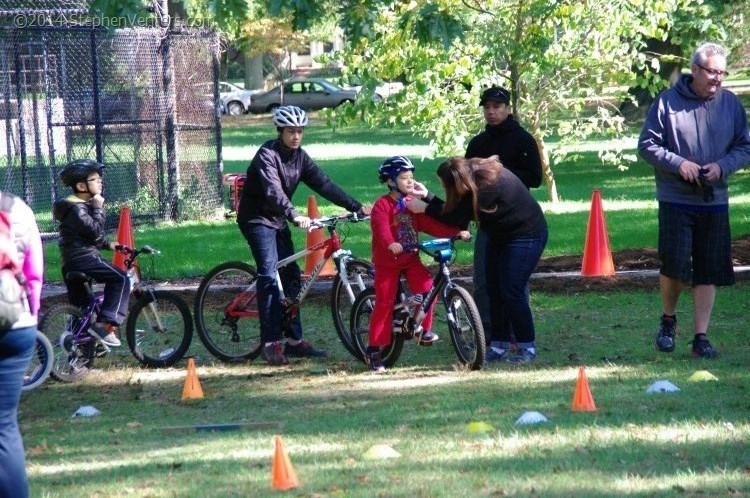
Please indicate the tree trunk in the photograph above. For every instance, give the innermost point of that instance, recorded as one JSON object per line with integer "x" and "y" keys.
{"x": 549, "y": 177}
{"x": 254, "y": 72}
{"x": 177, "y": 13}
{"x": 668, "y": 70}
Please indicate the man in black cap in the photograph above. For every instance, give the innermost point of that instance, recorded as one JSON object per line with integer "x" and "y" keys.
{"x": 504, "y": 137}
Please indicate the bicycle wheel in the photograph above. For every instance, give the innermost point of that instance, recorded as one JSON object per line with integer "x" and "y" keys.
{"x": 359, "y": 275}
{"x": 41, "y": 363}
{"x": 360, "y": 328}
{"x": 226, "y": 312}
{"x": 465, "y": 326}
{"x": 72, "y": 360}
{"x": 159, "y": 328}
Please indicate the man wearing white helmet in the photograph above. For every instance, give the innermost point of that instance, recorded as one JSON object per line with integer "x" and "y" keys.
{"x": 265, "y": 208}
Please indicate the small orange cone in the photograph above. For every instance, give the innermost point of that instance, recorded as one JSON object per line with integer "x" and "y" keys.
{"x": 583, "y": 401}
{"x": 192, "y": 388}
{"x": 316, "y": 237}
{"x": 124, "y": 237}
{"x": 283, "y": 475}
{"x": 597, "y": 256}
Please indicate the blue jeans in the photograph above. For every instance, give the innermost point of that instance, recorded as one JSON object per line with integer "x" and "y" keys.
{"x": 268, "y": 246}
{"x": 481, "y": 298}
{"x": 508, "y": 268}
{"x": 16, "y": 347}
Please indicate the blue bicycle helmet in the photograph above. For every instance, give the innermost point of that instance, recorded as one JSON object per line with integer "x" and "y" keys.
{"x": 392, "y": 167}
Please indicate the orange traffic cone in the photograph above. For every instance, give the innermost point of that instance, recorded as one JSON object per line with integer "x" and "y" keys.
{"x": 192, "y": 388}
{"x": 316, "y": 237}
{"x": 583, "y": 401}
{"x": 283, "y": 476}
{"x": 124, "y": 237}
{"x": 597, "y": 256}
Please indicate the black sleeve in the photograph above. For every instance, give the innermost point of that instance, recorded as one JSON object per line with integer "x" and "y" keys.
{"x": 471, "y": 149}
{"x": 266, "y": 163}
{"x": 459, "y": 217}
{"x": 531, "y": 173}
{"x": 316, "y": 179}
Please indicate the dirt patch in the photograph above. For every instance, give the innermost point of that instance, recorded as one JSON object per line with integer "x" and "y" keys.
{"x": 569, "y": 283}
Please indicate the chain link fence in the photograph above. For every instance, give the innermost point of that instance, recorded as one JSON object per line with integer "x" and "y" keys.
{"x": 143, "y": 101}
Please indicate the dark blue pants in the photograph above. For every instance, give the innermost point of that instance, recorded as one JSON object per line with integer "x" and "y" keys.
{"x": 508, "y": 267}
{"x": 116, "y": 286}
{"x": 268, "y": 246}
{"x": 480, "y": 281}
{"x": 16, "y": 347}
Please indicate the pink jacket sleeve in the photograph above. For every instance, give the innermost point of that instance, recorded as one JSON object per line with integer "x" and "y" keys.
{"x": 33, "y": 269}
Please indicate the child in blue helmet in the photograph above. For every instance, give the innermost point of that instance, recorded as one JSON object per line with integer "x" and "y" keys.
{"x": 393, "y": 228}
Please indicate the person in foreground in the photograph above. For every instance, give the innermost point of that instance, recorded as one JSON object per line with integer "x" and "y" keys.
{"x": 81, "y": 216}
{"x": 695, "y": 136}
{"x": 17, "y": 346}
{"x": 265, "y": 208}
{"x": 394, "y": 238}
{"x": 517, "y": 150}
{"x": 484, "y": 191}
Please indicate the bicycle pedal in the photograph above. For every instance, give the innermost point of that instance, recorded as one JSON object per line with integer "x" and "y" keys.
{"x": 101, "y": 350}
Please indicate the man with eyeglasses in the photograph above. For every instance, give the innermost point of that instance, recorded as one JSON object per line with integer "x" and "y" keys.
{"x": 695, "y": 136}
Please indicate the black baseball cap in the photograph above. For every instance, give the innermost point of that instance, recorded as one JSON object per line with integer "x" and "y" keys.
{"x": 496, "y": 93}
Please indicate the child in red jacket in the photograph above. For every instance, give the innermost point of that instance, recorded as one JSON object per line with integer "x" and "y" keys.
{"x": 393, "y": 228}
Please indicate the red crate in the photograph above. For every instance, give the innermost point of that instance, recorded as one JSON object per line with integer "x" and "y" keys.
{"x": 236, "y": 182}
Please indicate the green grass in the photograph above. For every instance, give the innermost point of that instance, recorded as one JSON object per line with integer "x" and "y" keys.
{"x": 693, "y": 442}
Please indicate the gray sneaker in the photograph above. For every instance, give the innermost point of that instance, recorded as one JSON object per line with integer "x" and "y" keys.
{"x": 106, "y": 333}
{"x": 522, "y": 355}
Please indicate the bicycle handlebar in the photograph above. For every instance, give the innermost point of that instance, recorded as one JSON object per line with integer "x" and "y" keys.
{"x": 432, "y": 245}
{"x": 134, "y": 253}
{"x": 318, "y": 223}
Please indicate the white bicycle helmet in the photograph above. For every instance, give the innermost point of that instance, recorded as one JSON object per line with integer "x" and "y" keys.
{"x": 289, "y": 115}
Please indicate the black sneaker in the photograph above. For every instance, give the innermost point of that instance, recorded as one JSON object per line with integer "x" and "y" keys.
{"x": 273, "y": 355}
{"x": 703, "y": 349}
{"x": 374, "y": 361}
{"x": 666, "y": 335}
{"x": 304, "y": 350}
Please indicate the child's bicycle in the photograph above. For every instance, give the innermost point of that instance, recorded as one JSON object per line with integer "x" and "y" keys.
{"x": 159, "y": 326}
{"x": 40, "y": 365}
{"x": 226, "y": 310}
{"x": 464, "y": 323}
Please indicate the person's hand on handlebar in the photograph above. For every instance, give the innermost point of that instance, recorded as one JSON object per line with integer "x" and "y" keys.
{"x": 365, "y": 210}
{"x": 465, "y": 235}
{"x": 302, "y": 221}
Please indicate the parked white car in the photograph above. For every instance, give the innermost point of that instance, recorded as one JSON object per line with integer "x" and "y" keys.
{"x": 384, "y": 90}
{"x": 236, "y": 99}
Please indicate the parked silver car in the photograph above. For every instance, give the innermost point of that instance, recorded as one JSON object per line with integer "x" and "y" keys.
{"x": 236, "y": 99}
{"x": 307, "y": 93}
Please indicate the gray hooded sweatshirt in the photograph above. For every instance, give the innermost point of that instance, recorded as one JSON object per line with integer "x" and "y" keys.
{"x": 682, "y": 126}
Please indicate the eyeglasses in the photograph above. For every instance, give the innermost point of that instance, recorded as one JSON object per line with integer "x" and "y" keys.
{"x": 713, "y": 72}
{"x": 97, "y": 179}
